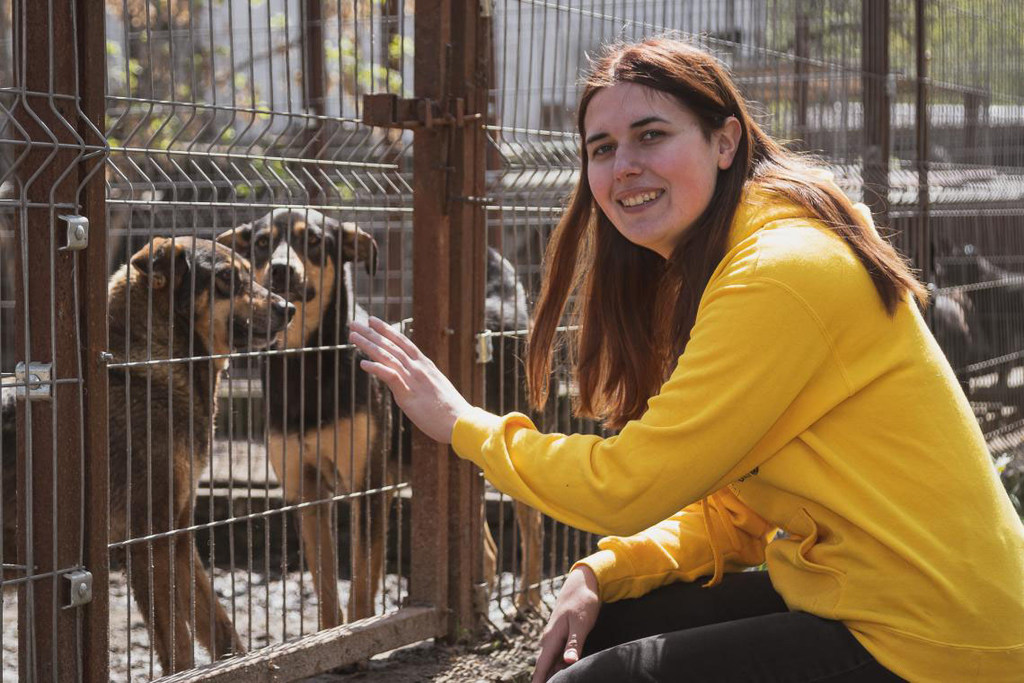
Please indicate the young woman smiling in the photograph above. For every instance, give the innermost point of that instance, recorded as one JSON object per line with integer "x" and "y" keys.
{"x": 760, "y": 347}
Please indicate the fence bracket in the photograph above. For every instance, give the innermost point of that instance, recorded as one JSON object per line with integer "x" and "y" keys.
{"x": 79, "y": 588}
{"x": 484, "y": 347}
{"x": 78, "y": 233}
{"x": 386, "y": 110}
{"x": 33, "y": 380}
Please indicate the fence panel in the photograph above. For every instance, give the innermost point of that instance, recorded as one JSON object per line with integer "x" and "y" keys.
{"x": 242, "y": 123}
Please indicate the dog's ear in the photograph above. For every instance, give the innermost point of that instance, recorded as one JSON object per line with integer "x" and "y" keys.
{"x": 238, "y": 238}
{"x": 356, "y": 244}
{"x": 158, "y": 259}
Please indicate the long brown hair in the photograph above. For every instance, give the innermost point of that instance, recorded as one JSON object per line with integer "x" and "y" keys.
{"x": 632, "y": 310}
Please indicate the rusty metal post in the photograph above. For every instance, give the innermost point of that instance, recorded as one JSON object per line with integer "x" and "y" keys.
{"x": 469, "y": 71}
{"x": 51, "y": 466}
{"x": 922, "y": 253}
{"x": 92, "y": 291}
{"x": 313, "y": 89}
{"x": 801, "y": 70}
{"x": 431, "y": 254}
{"x": 876, "y": 96}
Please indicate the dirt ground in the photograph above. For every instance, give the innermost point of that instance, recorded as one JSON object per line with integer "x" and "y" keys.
{"x": 272, "y": 611}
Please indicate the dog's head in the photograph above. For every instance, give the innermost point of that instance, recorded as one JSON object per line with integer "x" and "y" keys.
{"x": 308, "y": 232}
{"x": 214, "y": 289}
{"x": 300, "y": 253}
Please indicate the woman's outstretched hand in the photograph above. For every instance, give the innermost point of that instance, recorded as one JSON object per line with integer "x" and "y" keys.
{"x": 420, "y": 389}
{"x": 571, "y": 621}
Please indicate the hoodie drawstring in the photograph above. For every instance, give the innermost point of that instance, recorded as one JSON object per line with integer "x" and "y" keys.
{"x": 716, "y": 553}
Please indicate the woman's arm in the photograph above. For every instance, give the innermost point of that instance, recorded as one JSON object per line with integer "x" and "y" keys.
{"x": 737, "y": 395}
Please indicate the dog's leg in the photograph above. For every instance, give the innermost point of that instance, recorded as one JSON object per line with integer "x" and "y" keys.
{"x": 367, "y": 553}
{"x": 164, "y": 631}
{"x": 530, "y": 530}
{"x": 360, "y": 600}
{"x": 222, "y": 639}
{"x": 490, "y": 560}
{"x": 316, "y": 523}
{"x": 317, "y": 527}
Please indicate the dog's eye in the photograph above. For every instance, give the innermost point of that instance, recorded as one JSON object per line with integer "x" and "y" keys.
{"x": 226, "y": 276}
{"x": 262, "y": 241}
{"x": 312, "y": 239}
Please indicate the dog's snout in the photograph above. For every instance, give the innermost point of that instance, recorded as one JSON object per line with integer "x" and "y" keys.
{"x": 283, "y": 277}
{"x": 284, "y": 309}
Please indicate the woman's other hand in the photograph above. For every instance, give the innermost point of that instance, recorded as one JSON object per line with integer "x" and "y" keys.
{"x": 420, "y": 389}
{"x": 571, "y": 621}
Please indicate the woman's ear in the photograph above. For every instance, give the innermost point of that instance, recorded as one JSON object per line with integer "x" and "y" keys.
{"x": 727, "y": 141}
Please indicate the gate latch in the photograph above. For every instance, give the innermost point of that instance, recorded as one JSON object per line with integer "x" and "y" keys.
{"x": 388, "y": 110}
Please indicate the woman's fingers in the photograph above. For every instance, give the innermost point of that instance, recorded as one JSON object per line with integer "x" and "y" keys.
{"x": 373, "y": 351}
{"x": 395, "y": 337}
{"x": 572, "y": 648}
{"x": 372, "y": 341}
{"x": 547, "y": 658}
{"x": 386, "y": 374}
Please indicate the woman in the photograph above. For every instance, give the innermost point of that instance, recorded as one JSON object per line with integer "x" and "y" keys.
{"x": 761, "y": 349}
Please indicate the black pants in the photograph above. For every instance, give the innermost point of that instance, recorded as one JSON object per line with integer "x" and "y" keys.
{"x": 737, "y": 631}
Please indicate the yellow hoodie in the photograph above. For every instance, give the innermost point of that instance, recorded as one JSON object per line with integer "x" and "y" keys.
{"x": 799, "y": 404}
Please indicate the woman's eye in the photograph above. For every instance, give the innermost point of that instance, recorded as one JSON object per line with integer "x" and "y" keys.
{"x": 600, "y": 150}
{"x": 651, "y": 135}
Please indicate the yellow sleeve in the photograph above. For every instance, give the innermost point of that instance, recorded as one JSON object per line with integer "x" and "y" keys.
{"x": 678, "y": 549}
{"x": 737, "y": 395}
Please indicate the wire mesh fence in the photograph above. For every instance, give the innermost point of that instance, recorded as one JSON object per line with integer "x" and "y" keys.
{"x": 205, "y": 434}
{"x": 240, "y": 122}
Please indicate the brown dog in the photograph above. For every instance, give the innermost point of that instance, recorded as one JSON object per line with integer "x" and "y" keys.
{"x": 329, "y": 424}
{"x": 175, "y": 300}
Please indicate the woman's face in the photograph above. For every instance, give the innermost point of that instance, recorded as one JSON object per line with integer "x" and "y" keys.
{"x": 650, "y": 168}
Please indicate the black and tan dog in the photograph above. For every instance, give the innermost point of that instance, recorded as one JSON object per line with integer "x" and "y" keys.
{"x": 329, "y": 423}
{"x": 279, "y": 242}
{"x": 175, "y": 300}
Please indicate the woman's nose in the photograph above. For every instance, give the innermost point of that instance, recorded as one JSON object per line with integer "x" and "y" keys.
{"x": 626, "y": 163}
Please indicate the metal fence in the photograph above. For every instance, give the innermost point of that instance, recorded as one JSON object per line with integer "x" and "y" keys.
{"x": 185, "y": 433}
